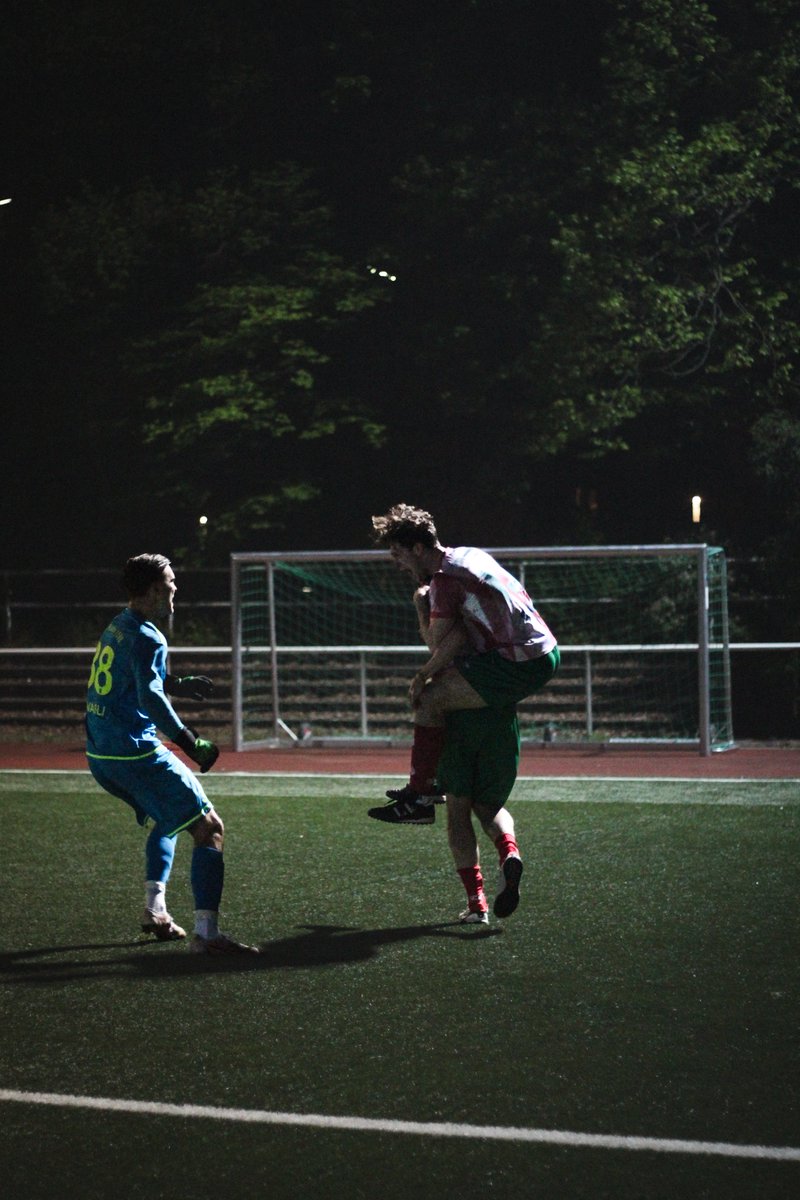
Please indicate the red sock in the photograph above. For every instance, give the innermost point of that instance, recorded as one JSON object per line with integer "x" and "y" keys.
{"x": 505, "y": 846}
{"x": 473, "y": 885}
{"x": 425, "y": 752}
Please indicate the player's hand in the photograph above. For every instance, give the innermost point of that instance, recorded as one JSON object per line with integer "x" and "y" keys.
{"x": 418, "y": 684}
{"x": 205, "y": 754}
{"x": 189, "y": 687}
{"x": 422, "y": 597}
{"x": 199, "y": 750}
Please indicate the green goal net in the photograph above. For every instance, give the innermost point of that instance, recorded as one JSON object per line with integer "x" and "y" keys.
{"x": 324, "y": 645}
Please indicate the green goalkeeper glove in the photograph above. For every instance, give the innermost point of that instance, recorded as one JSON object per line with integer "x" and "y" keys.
{"x": 204, "y": 753}
{"x": 190, "y": 687}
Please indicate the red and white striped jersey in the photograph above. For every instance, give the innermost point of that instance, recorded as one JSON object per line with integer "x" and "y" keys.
{"x": 497, "y": 611}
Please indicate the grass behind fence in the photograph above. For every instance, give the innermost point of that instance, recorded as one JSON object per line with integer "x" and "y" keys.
{"x": 646, "y": 986}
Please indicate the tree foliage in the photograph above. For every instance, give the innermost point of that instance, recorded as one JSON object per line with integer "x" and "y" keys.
{"x": 589, "y": 213}
{"x": 624, "y": 248}
{"x": 601, "y": 261}
{"x": 669, "y": 263}
{"x": 227, "y": 307}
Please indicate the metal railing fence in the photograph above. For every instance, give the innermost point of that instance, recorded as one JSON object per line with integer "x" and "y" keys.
{"x": 61, "y": 670}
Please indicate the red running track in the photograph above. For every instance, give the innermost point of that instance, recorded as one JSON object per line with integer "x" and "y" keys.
{"x": 743, "y": 762}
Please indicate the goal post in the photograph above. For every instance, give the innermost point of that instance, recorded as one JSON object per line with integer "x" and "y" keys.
{"x": 324, "y": 644}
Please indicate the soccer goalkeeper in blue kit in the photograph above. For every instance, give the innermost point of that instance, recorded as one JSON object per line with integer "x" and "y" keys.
{"x": 126, "y": 703}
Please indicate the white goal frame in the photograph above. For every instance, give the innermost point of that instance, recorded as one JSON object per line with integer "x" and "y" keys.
{"x": 270, "y": 651}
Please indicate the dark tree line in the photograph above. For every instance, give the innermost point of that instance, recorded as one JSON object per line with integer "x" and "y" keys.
{"x": 532, "y": 266}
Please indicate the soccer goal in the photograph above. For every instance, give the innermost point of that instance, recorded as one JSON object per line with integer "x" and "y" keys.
{"x": 325, "y": 644}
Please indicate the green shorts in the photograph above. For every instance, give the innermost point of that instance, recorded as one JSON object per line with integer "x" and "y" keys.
{"x": 499, "y": 681}
{"x": 481, "y": 755}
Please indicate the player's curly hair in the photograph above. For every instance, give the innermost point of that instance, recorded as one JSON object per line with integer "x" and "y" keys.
{"x": 404, "y": 525}
{"x": 142, "y": 571}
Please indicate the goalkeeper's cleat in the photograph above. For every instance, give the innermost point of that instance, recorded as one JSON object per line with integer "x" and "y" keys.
{"x": 220, "y": 944}
{"x": 162, "y": 926}
{"x": 507, "y": 898}
{"x": 410, "y": 793}
{"x": 412, "y": 809}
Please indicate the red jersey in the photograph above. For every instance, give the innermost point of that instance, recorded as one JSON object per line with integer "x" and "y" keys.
{"x": 497, "y": 611}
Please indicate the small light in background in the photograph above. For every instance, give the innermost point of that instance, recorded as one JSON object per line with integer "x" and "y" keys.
{"x": 6, "y": 201}
{"x": 696, "y": 502}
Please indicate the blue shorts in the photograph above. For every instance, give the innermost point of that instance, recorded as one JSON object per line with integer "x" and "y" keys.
{"x": 158, "y": 786}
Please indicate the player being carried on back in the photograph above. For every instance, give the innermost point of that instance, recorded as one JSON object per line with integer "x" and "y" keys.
{"x": 489, "y": 647}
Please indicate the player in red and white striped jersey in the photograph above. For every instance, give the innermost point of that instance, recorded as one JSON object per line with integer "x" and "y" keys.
{"x": 489, "y": 647}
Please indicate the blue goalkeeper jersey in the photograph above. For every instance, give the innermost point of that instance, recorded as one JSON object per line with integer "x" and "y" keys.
{"x": 125, "y": 701}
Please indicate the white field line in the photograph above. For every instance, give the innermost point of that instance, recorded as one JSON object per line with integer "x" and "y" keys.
{"x": 642, "y": 780}
{"x": 340, "y": 776}
{"x": 500, "y": 1133}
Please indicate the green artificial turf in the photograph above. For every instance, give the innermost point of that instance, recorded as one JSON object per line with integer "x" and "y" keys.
{"x": 647, "y": 985}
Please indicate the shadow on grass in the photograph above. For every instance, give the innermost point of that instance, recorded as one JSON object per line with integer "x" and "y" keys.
{"x": 313, "y": 946}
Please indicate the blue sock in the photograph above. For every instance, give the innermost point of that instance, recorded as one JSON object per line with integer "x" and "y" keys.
{"x": 208, "y": 872}
{"x": 159, "y": 852}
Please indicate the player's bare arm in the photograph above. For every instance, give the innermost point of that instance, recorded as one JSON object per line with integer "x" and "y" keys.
{"x": 446, "y": 638}
{"x": 422, "y": 603}
{"x": 432, "y": 632}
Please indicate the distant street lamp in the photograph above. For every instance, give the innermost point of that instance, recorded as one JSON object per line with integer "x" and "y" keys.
{"x": 382, "y": 274}
{"x": 6, "y": 201}
{"x": 696, "y": 502}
